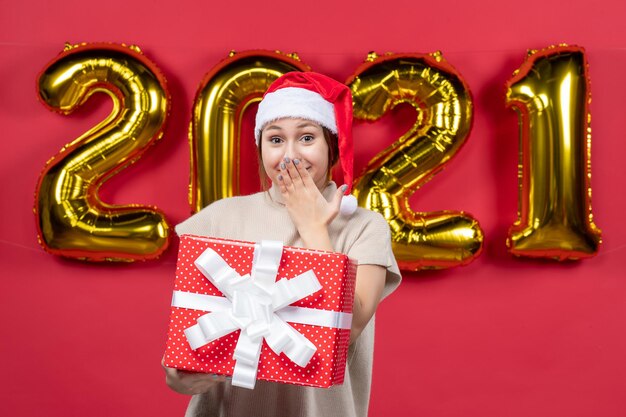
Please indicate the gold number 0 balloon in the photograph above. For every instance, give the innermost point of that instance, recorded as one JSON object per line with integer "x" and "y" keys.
{"x": 444, "y": 117}
{"x": 222, "y": 98}
{"x": 551, "y": 94}
{"x": 71, "y": 220}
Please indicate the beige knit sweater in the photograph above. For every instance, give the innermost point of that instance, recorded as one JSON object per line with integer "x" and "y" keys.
{"x": 364, "y": 236}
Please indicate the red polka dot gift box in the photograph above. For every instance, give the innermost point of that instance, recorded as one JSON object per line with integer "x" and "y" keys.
{"x": 261, "y": 311}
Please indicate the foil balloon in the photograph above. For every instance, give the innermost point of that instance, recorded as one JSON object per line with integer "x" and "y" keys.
{"x": 443, "y": 104}
{"x": 551, "y": 95}
{"x": 71, "y": 219}
{"x": 215, "y": 132}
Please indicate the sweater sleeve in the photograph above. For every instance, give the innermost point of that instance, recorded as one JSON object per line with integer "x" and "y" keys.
{"x": 372, "y": 246}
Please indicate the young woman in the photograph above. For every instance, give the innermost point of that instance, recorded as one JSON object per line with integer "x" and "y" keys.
{"x": 303, "y": 126}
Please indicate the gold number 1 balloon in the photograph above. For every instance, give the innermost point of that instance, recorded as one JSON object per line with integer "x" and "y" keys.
{"x": 224, "y": 94}
{"x": 444, "y": 117}
{"x": 551, "y": 94}
{"x": 71, "y": 219}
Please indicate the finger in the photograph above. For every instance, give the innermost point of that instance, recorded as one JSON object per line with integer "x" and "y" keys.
{"x": 200, "y": 377}
{"x": 304, "y": 174}
{"x": 281, "y": 184}
{"x": 286, "y": 179}
{"x": 200, "y": 385}
{"x": 168, "y": 371}
{"x": 293, "y": 172}
{"x": 335, "y": 203}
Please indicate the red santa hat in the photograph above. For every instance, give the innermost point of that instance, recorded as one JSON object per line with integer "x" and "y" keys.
{"x": 315, "y": 97}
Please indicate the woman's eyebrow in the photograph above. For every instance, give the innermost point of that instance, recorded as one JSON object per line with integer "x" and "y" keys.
{"x": 273, "y": 127}
{"x": 306, "y": 124}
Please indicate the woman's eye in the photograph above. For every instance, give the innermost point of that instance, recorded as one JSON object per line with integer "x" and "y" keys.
{"x": 275, "y": 139}
{"x": 307, "y": 138}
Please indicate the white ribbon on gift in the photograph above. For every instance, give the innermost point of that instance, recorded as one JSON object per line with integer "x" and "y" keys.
{"x": 258, "y": 305}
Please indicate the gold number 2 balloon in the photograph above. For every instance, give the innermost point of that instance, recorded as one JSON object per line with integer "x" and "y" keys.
{"x": 444, "y": 118}
{"x": 222, "y": 98}
{"x": 71, "y": 219}
{"x": 551, "y": 94}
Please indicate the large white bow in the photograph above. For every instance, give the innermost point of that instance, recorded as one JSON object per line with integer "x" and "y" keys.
{"x": 258, "y": 305}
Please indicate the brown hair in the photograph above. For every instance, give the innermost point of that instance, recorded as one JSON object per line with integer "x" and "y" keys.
{"x": 333, "y": 156}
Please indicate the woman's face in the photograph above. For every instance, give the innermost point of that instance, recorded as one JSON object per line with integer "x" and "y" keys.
{"x": 296, "y": 139}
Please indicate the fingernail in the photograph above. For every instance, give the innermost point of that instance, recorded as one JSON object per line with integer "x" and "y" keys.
{"x": 280, "y": 177}
{"x": 287, "y": 159}
{"x": 296, "y": 161}
{"x": 344, "y": 188}
{"x": 282, "y": 165}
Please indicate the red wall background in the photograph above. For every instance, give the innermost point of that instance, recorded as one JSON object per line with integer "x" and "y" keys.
{"x": 500, "y": 337}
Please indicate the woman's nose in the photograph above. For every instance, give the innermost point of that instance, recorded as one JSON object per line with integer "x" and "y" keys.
{"x": 291, "y": 151}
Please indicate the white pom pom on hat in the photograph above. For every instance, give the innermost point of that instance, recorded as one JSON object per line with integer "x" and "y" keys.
{"x": 315, "y": 97}
{"x": 348, "y": 205}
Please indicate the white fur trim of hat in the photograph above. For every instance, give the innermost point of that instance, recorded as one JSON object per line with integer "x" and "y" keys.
{"x": 296, "y": 103}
